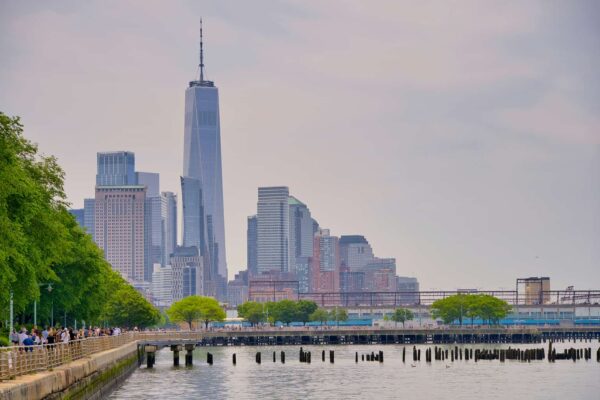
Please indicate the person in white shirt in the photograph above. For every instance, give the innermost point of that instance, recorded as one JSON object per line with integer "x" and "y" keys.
{"x": 22, "y": 336}
{"x": 64, "y": 336}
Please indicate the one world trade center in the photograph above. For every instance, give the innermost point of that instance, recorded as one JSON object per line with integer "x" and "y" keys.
{"x": 202, "y": 181}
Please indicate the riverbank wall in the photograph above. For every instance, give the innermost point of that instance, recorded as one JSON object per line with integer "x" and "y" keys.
{"x": 88, "y": 378}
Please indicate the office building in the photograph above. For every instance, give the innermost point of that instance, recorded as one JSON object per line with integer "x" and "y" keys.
{"x": 115, "y": 168}
{"x": 409, "y": 288}
{"x": 188, "y": 271}
{"x": 355, "y": 252}
{"x": 162, "y": 285}
{"x": 237, "y": 289}
{"x": 273, "y": 229}
{"x": 89, "y": 215}
{"x": 301, "y": 233}
{"x": 170, "y": 223}
{"x": 119, "y": 228}
{"x": 79, "y": 214}
{"x": 252, "y": 245}
{"x": 202, "y": 161}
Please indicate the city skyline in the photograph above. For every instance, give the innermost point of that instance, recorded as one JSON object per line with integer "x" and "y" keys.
{"x": 520, "y": 199}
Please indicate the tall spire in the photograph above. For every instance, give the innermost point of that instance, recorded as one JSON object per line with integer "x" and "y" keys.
{"x": 201, "y": 55}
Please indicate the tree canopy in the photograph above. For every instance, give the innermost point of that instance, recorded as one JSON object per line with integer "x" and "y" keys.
{"x": 455, "y": 308}
{"x": 196, "y": 308}
{"x": 42, "y": 246}
{"x": 338, "y": 315}
{"x": 402, "y": 315}
{"x": 128, "y": 308}
{"x": 320, "y": 315}
{"x": 252, "y": 311}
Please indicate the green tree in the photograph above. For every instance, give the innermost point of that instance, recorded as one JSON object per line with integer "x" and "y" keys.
{"x": 338, "y": 315}
{"x": 188, "y": 310}
{"x": 252, "y": 311}
{"x": 456, "y": 307}
{"x": 320, "y": 315}
{"x": 128, "y": 308}
{"x": 41, "y": 244}
{"x": 32, "y": 238}
{"x": 490, "y": 308}
{"x": 284, "y": 311}
{"x": 402, "y": 315}
{"x": 450, "y": 308}
{"x": 304, "y": 309}
{"x": 211, "y": 311}
{"x": 196, "y": 308}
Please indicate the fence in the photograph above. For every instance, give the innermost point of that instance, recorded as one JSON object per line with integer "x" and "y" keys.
{"x": 20, "y": 360}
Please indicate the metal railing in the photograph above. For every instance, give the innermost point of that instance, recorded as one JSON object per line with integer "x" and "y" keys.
{"x": 426, "y": 298}
{"x": 21, "y": 360}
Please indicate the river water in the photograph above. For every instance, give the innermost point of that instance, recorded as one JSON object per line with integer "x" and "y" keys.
{"x": 346, "y": 379}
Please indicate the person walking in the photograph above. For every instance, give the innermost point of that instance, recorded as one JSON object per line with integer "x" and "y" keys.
{"x": 14, "y": 338}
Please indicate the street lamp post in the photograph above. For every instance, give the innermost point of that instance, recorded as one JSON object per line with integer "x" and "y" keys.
{"x": 35, "y": 303}
{"x": 12, "y": 314}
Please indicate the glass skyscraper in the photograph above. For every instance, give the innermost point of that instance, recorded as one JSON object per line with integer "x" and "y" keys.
{"x": 116, "y": 168}
{"x": 202, "y": 162}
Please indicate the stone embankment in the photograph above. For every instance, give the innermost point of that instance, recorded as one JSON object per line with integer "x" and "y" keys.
{"x": 87, "y": 378}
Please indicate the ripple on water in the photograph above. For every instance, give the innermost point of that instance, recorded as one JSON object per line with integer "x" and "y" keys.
{"x": 365, "y": 380}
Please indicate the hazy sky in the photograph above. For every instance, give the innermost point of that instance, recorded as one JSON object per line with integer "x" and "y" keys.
{"x": 462, "y": 138}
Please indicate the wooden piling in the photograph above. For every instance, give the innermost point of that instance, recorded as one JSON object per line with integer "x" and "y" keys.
{"x": 331, "y": 356}
{"x": 282, "y": 357}
{"x": 209, "y": 358}
{"x": 380, "y": 356}
{"x": 355, "y": 357}
{"x": 258, "y": 357}
{"x": 404, "y": 354}
{"x": 234, "y": 359}
{"x": 323, "y": 356}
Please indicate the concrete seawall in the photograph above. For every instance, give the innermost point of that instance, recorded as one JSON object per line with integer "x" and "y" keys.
{"x": 88, "y": 378}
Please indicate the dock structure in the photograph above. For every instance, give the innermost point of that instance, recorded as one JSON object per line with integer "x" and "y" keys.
{"x": 299, "y": 336}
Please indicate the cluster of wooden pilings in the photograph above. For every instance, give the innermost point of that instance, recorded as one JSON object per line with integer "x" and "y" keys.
{"x": 370, "y": 356}
{"x": 571, "y": 354}
{"x": 431, "y": 354}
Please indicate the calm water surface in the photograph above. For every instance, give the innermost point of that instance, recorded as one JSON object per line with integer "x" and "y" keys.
{"x": 366, "y": 380}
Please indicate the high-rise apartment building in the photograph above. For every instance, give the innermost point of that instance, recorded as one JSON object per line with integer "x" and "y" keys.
{"x": 119, "y": 217}
{"x": 115, "y": 168}
{"x": 273, "y": 229}
{"x": 325, "y": 262}
{"x": 252, "y": 245}
{"x": 202, "y": 161}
